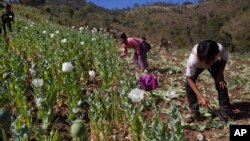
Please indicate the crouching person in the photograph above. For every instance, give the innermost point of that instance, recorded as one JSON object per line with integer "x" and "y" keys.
{"x": 140, "y": 50}
{"x": 212, "y": 56}
{"x": 164, "y": 43}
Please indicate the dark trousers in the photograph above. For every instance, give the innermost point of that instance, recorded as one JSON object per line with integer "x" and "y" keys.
{"x": 8, "y": 24}
{"x": 141, "y": 61}
{"x": 224, "y": 102}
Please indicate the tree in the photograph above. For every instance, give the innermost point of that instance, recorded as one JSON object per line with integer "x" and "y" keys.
{"x": 71, "y": 12}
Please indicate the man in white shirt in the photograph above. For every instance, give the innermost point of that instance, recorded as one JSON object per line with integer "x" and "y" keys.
{"x": 212, "y": 56}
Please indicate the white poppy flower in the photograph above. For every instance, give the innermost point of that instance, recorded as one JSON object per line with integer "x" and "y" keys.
{"x": 67, "y": 67}
{"x": 79, "y": 103}
{"x": 200, "y": 137}
{"x": 64, "y": 40}
{"x": 32, "y": 72}
{"x": 81, "y": 28}
{"x": 25, "y": 27}
{"x": 81, "y": 43}
{"x": 39, "y": 101}
{"x": 44, "y": 31}
{"x": 25, "y": 135}
{"x": 52, "y": 35}
{"x": 45, "y": 123}
{"x": 92, "y": 73}
{"x": 94, "y": 30}
{"x": 170, "y": 94}
{"x": 57, "y": 32}
{"x": 49, "y": 112}
{"x": 136, "y": 95}
{"x": 75, "y": 110}
{"x": 37, "y": 82}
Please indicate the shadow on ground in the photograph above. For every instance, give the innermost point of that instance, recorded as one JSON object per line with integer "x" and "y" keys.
{"x": 241, "y": 110}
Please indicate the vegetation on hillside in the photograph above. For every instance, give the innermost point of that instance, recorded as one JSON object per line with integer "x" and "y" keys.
{"x": 225, "y": 21}
{"x": 54, "y": 74}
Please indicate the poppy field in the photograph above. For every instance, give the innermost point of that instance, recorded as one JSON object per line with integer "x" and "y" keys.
{"x": 69, "y": 83}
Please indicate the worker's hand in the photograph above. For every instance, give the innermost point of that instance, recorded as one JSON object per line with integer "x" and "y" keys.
{"x": 221, "y": 83}
{"x": 204, "y": 102}
{"x": 122, "y": 55}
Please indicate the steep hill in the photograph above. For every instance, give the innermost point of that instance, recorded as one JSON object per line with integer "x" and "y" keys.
{"x": 223, "y": 20}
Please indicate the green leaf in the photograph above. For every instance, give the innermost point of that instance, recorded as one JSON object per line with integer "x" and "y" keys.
{"x": 218, "y": 135}
{"x": 207, "y": 115}
{"x": 202, "y": 127}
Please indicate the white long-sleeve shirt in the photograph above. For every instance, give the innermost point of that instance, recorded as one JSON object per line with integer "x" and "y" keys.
{"x": 194, "y": 62}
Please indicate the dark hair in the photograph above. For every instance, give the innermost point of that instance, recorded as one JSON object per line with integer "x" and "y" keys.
{"x": 123, "y": 36}
{"x": 8, "y": 5}
{"x": 207, "y": 51}
{"x": 144, "y": 38}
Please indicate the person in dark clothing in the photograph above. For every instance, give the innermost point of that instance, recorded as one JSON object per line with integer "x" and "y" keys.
{"x": 7, "y": 19}
{"x": 164, "y": 43}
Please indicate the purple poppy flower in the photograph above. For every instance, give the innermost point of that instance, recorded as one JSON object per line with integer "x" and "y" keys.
{"x": 148, "y": 81}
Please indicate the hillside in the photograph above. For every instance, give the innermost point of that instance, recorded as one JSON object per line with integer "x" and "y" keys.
{"x": 185, "y": 25}
{"x": 223, "y": 20}
{"x": 44, "y": 97}
{"x": 54, "y": 74}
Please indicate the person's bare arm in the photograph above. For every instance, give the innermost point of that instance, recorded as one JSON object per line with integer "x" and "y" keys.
{"x": 220, "y": 77}
{"x": 200, "y": 97}
{"x": 124, "y": 51}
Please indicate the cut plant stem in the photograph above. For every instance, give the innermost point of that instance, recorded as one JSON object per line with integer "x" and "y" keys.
{"x": 3, "y": 135}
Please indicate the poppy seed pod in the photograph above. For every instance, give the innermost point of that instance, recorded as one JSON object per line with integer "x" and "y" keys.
{"x": 79, "y": 130}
